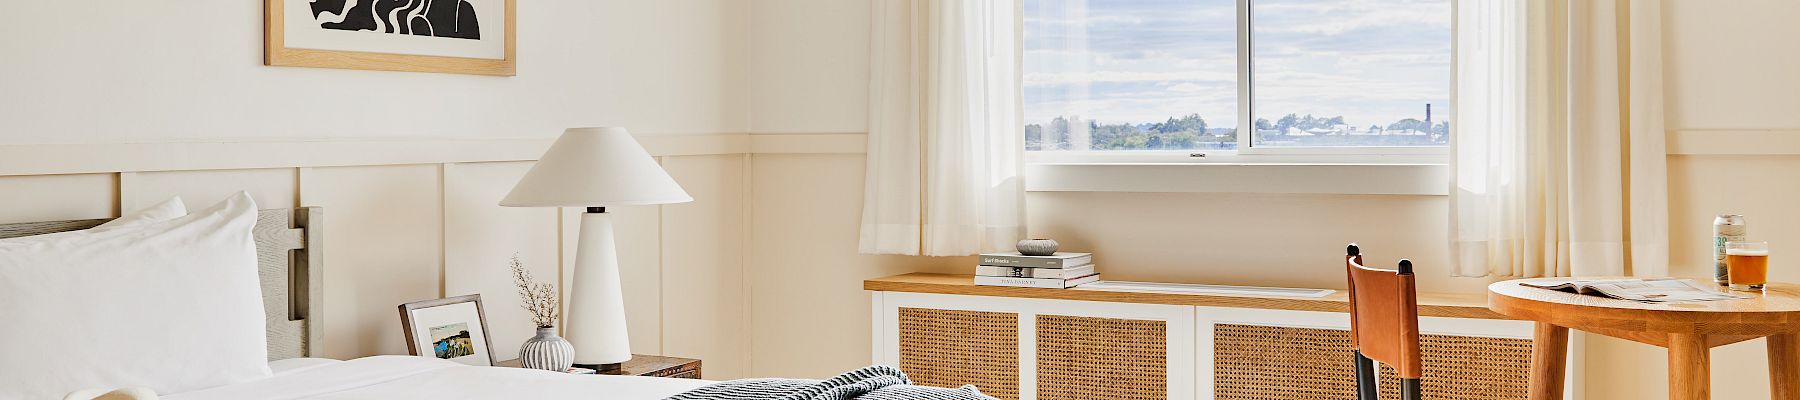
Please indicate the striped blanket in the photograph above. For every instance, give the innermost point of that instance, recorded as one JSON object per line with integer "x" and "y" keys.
{"x": 878, "y": 382}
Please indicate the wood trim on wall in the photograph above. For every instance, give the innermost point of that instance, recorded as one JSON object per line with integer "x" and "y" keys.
{"x": 1734, "y": 142}
{"x": 809, "y": 143}
{"x": 56, "y": 159}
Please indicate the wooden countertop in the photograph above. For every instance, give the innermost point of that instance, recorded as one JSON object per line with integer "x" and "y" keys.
{"x": 1472, "y": 305}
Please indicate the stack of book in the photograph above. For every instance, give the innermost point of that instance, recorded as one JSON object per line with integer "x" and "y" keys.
{"x": 1056, "y": 271}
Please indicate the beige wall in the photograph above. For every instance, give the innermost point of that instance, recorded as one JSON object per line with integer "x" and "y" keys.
{"x": 140, "y": 72}
{"x": 1726, "y": 69}
{"x": 1729, "y": 65}
{"x": 760, "y": 276}
{"x": 145, "y": 71}
{"x": 809, "y": 60}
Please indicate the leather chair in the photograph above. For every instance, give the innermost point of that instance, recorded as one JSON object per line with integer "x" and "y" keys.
{"x": 1384, "y": 324}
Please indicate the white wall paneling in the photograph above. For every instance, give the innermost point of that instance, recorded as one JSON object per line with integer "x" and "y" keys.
{"x": 480, "y": 237}
{"x": 804, "y": 270}
{"x": 46, "y": 159}
{"x": 703, "y": 287}
{"x": 1742, "y": 142}
{"x": 58, "y": 197}
{"x": 815, "y": 143}
{"x": 417, "y": 219}
{"x": 386, "y": 247}
{"x": 270, "y": 187}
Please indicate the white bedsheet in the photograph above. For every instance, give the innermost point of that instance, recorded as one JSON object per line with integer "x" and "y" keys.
{"x": 407, "y": 377}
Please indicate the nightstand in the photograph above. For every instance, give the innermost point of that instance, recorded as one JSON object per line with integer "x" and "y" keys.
{"x": 643, "y": 365}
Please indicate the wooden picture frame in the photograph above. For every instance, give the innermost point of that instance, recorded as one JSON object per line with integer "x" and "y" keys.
{"x": 409, "y": 320}
{"x": 277, "y": 53}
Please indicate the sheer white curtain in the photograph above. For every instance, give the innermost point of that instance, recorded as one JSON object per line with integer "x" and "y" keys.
{"x": 945, "y": 143}
{"x": 1558, "y": 157}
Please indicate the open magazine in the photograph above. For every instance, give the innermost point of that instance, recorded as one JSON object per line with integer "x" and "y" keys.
{"x": 1659, "y": 290}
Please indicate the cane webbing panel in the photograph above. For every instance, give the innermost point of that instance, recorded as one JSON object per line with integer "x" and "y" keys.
{"x": 1082, "y": 358}
{"x": 951, "y": 348}
{"x": 1279, "y": 363}
{"x": 1468, "y": 367}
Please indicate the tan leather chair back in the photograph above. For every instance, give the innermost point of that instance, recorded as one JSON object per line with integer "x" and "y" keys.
{"x": 1384, "y": 314}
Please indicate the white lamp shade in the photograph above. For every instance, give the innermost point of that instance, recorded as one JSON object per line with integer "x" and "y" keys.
{"x": 595, "y": 167}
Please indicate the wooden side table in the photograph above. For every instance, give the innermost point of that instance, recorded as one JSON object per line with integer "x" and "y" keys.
{"x": 1688, "y": 330}
{"x": 646, "y": 365}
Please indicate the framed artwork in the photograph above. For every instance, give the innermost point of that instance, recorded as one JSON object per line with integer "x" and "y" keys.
{"x": 444, "y": 36}
{"x": 453, "y": 329}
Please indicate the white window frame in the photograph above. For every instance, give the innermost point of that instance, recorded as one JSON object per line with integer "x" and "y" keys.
{"x": 1297, "y": 168}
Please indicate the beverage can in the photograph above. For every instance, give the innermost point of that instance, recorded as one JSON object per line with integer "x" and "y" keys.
{"x": 1726, "y": 228}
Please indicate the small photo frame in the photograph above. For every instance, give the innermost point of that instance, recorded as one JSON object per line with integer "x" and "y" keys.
{"x": 453, "y": 329}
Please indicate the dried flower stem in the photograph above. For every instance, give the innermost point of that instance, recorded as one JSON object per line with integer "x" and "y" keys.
{"x": 539, "y": 298}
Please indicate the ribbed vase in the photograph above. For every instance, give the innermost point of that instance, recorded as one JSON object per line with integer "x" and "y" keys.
{"x": 547, "y": 351}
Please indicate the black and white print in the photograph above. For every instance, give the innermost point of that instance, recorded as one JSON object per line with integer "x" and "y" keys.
{"x": 471, "y": 29}
{"x": 437, "y": 18}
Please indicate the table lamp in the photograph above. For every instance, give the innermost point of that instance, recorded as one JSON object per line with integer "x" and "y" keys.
{"x": 596, "y": 168}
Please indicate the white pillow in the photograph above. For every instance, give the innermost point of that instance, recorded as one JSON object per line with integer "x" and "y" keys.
{"x": 164, "y": 211}
{"x": 173, "y": 306}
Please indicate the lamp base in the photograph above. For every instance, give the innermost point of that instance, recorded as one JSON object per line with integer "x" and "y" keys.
{"x": 595, "y": 321}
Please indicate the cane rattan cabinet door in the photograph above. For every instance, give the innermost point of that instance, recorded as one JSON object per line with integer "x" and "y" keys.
{"x": 1102, "y": 358}
{"x": 1256, "y": 362}
{"x": 951, "y": 348}
{"x": 1013, "y": 348}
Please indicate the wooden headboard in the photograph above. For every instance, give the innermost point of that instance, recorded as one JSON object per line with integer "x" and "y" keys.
{"x": 290, "y": 259}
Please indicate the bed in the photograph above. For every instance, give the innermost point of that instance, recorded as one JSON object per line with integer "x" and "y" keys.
{"x": 291, "y": 262}
{"x": 167, "y": 304}
{"x": 408, "y": 377}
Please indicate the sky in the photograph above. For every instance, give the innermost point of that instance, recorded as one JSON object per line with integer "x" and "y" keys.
{"x": 1371, "y": 61}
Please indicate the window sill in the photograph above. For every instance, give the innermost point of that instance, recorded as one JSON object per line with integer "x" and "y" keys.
{"x": 1420, "y": 179}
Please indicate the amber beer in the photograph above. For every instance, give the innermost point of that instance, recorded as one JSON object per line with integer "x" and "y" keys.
{"x": 1748, "y": 264}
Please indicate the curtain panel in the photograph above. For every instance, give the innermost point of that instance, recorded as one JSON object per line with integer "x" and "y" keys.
{"x": 1558, "y": 155}
{"x": 946, "y": 147}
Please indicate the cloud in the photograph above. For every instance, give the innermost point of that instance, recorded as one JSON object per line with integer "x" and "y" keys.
{"x": 1372, "y": 61}
{"x": 1103, "y": 76}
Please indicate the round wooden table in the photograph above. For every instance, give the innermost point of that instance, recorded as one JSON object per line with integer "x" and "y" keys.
{"x": 1688, "y": 330}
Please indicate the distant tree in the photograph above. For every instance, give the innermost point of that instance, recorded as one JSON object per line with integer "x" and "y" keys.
{"x": 1262, "y": 124}
{"x": 1190, "y": 123}
{"x": 1373, "y": 128}
{"x": 1287, "y": 121}
{"x": 1408, "y": 124}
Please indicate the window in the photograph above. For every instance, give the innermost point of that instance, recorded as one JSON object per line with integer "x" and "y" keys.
{"x": 1165, "y": 76}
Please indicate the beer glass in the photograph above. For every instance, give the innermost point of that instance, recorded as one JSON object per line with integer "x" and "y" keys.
{"x": 1748, "y": 265}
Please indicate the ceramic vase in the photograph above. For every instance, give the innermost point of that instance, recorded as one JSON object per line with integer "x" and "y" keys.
{"x": 1037, "y": 247}
{"x": 547, "y": 351}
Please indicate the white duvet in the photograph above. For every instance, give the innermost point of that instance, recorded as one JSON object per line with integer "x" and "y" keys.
{"x": 408, "y": 377}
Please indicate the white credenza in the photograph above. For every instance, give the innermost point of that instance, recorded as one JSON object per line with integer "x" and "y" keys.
{"x": 1017, "y": 343}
